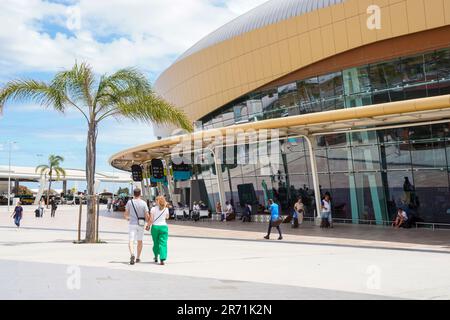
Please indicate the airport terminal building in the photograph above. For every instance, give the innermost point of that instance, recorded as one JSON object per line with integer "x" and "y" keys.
{"x": 358, "y": 90}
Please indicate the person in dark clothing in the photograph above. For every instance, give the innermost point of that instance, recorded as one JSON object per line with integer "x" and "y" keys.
{"x": 246, "y": 217}
{"x": 17, "y": 214}
{"x": 54, "y": 207}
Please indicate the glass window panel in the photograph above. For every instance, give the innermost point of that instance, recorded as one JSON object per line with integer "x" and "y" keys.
{"x": 356, "y": 80}
{"x": 441, "y": 130}
{"x": 432, "y": 196}
{"x": 428, "y": 155}
{"x": 394, "y": 135}
{"x": 398, "y": 156}
{"x": 324, "y": 183}
{"x": 287, "y": 98}
{"x": 322, "y": 160}
{"x": 337, "y": 140}
{"x": 371, "y": 197}
{"x": 358, "y": 100}
{"x": 340, "y": 191}
{"x": 420, "y": 133}
{"x": 386, "y": 75}
{"x": 297, "y": 162}
{"x": 443, "y": 57}
{"x": 309, "y": 95}
{"x": 361, "y": 138}
{"x": 331, "y": 91}
{"x": 414, "y": 77}
{"x": 432, "y": 73}
{"x": 340, "y": 159}
{"x": 366, "y": 158}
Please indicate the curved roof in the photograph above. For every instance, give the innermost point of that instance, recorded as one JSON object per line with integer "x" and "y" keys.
{"x": 268, "y": 13}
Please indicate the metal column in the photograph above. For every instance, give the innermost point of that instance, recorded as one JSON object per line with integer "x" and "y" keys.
{"x": 169, "y": 178}
{"x": 219, "y": 176}
{"x": 315, "y": 176}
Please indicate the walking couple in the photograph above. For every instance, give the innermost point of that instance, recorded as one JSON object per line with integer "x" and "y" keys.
{"x": 142, "y": 219}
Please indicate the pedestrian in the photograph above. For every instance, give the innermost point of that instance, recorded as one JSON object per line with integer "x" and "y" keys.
{"x": 274, "y": 219}
{"x": 299, "y": 212}
{"x": 219, "y": 210}
{"x": 41, "y": 207}
{"x": 17, "y": 214}
{"x": 109, "y": 204}
{"x": 137, "y": 213}
{"x": 159, "y": 229}
{"x": 325, "y": 216}
{"x": 54, "y": 206}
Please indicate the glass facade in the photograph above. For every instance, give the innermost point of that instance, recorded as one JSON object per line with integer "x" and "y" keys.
{"x": 368, "y": 174}
{"x": 418, "y": 76}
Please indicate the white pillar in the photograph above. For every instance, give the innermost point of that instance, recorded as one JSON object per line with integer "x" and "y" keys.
{"x": 310, "y": 141}
{"x": 170, "y": 186}
{"x": 219, "y": 176}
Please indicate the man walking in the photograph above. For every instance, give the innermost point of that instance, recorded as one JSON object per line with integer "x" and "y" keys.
{"x": 137, "y": 213}
{"x": 274, "y": 219}
{"x": 54, "y": 206}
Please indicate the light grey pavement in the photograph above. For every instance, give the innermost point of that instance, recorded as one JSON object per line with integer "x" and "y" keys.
{"x": 221, "y": 261}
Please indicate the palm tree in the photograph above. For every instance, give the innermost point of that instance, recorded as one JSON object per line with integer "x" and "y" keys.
{"x": 53, "y": 167}
{"x": 126, "y": 93}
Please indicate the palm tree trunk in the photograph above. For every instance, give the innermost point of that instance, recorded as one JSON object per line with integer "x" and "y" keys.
{"x": 49, "y": 187}
{"x": 90, "y": 179}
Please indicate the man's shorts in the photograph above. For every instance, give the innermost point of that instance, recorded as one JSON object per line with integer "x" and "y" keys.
{"x": 135, "y": 232}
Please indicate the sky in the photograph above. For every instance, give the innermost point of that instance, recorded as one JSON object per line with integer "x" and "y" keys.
{"x": 41, "y": 37}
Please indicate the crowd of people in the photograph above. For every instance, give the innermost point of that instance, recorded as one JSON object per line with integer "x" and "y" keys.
{"x": 154, "y": 219}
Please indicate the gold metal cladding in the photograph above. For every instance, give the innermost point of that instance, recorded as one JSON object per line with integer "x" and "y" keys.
{"x": 217, "y": 75}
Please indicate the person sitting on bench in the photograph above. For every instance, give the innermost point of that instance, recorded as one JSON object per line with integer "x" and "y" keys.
{"x": 401, "y": 218}
{"x": 246, "y": 217}
{"x": 229, "y": 214}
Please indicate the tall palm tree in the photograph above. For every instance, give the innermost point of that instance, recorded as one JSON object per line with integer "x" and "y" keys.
{"x": 126, "y": 93}
{"x": 50, "y": 169}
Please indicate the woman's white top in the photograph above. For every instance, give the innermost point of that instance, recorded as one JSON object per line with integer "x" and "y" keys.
{"x": 162, "y": 214}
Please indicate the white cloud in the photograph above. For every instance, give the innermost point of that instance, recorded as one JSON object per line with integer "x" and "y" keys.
{"x": 109, "y": 34}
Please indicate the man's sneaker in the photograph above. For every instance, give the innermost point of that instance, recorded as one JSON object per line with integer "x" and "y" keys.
{"x": 132, "y": 260}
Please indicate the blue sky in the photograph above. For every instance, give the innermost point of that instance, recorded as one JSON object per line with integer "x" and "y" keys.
{"x": 38, "y": 38}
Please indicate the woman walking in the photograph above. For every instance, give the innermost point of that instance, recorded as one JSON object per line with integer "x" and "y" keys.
{"x": 41, "y": 207}
{"x": 159, "y": 229}
{"x": 299, "y": 209}
{"x": 17, "y": 214}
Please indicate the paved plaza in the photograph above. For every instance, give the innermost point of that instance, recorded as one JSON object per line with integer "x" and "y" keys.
{"x": 212, "y": 260}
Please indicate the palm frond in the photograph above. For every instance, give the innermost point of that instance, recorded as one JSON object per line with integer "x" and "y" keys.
{"x": 152, "y": 108}
{"x": 42, "y": 169}
{"x": 35, "y": 91}
{"x": 78, "y": 83}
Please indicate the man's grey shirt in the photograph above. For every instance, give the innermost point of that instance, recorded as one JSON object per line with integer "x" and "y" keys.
{"x": 141, "y": 209}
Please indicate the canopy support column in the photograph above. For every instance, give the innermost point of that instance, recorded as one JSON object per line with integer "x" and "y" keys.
{"x": 219, "y": 176}
{"x": 310, "y": 141}
{"x": 170, "y": 186}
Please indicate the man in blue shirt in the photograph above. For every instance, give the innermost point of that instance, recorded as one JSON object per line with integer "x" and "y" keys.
{"x": 274, "y": 215}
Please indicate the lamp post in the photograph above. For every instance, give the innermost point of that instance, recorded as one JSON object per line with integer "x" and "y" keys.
{"x": 9, "y": 171}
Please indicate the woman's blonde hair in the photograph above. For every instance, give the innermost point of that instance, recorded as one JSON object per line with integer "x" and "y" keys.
{"x": 161, "y": 201}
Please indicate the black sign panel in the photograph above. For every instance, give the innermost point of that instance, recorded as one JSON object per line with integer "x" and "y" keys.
{"x": 181, "y": 167}
{"x": 157, "y": 169}
{"x": 136, "y": 171}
